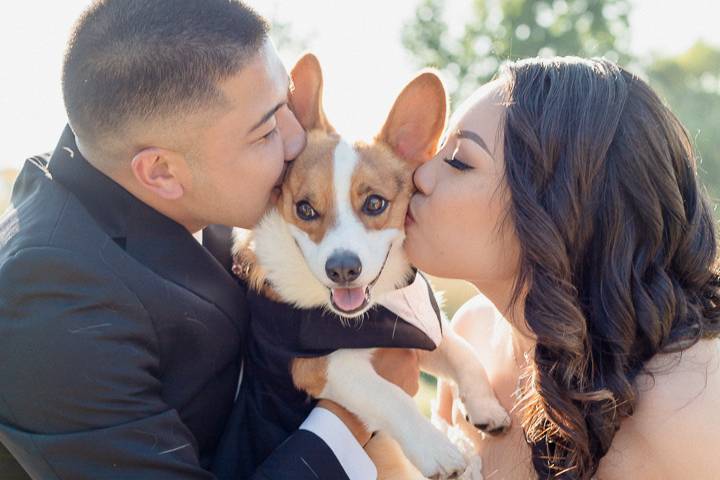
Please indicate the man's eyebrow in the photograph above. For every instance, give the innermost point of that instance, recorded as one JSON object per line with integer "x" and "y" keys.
{"x": 274, "y": 110}
{"x": 475, "y": 138}
{"x": 268, "y": 116}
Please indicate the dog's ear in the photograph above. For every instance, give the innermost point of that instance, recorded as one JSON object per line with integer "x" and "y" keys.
{"x": 417, "y": 119}
{"x": 306, "y": 94}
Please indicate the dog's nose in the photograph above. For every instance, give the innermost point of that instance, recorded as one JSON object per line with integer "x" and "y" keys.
{"x": 343, "y": 267}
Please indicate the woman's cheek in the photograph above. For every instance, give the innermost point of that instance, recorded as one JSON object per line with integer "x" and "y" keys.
{"x": 413, "y": 245}
{"x": 419, "y": 245}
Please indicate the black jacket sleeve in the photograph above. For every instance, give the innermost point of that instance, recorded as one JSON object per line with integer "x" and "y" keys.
{"x": 80, "y": 370}
{"x": 303, "y": 456}
{"x": 82, "y": 379}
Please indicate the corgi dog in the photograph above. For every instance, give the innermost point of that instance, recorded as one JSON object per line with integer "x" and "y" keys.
{"x": 334, "y": 239}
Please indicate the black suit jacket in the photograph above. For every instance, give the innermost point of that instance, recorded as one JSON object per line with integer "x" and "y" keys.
{"x": 120, "y": 336}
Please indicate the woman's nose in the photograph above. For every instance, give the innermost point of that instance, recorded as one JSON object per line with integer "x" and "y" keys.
{"x": 423, "y": 178}
{"x": 291, "y": 132}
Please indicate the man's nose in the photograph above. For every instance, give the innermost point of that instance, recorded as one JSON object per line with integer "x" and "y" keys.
{"x": 292, "y": 134}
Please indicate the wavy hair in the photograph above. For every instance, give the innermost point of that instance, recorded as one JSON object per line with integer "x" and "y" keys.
{"x": 618, "y": 248}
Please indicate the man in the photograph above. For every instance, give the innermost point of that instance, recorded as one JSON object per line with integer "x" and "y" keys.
{"x": 120, "y": 334}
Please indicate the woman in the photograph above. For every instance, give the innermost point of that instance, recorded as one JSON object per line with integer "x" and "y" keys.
{"x": 566, "y": 192}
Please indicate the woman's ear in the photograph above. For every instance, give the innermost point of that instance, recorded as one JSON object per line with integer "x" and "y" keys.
{"x": 158, "y": 170}
{"x": 417, "y": 119}
{"x": 306, "y": 94}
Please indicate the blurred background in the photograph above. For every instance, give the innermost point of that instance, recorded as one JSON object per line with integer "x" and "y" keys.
{"x": 370, "y": 49}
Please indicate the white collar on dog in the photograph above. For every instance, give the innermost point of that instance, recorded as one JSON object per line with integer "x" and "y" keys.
{"x": 414, "y": 305}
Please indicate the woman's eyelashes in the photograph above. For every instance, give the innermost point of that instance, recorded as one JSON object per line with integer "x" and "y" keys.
{"x": 457, "y": 163}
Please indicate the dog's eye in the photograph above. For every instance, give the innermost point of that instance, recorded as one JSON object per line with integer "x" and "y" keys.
{"x": 374, "y": 205}
{"x": 305, "y": 211}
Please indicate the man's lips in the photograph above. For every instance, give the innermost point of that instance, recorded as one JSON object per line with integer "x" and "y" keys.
{"x": 409, "y": 218}
{"x": 281, "y": 179}
{"x": 277, "y": 188}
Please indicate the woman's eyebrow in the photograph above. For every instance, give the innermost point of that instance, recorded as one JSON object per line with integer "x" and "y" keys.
{"x": 473, "y": 137}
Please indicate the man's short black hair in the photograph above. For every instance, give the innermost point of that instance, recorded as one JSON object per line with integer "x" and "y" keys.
{"x": 130, "y": 60}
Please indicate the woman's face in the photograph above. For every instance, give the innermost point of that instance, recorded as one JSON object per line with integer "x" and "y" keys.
{"x": 458, "y": 225}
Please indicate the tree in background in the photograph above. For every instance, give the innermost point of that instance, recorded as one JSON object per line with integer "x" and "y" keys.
{"x": 500, "y": 30}
{"x": 690, "y": 83}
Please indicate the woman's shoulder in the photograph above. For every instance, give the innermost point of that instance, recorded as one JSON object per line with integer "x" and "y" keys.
{"x": 675, "y": 428}
{"x": 682, "y": 376}
{"x": 477, "y": 320}
{"x": 681, "y": 387}
{"x": 480, "y": 323}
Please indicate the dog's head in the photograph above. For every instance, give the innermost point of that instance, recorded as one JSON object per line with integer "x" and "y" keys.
{"x": 335, "y": 236}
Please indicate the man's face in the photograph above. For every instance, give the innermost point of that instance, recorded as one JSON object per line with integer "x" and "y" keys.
{"x": 240, "y": 154}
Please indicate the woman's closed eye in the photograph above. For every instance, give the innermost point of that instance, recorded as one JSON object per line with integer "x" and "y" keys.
{"x": 455, "y": 161}
{"x": 458, "y": 164}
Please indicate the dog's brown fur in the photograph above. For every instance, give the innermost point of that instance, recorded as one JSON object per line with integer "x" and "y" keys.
{"x": 246, "y": 267}
{"x": 309, "y": 374}
{"x": 312, "y": 180}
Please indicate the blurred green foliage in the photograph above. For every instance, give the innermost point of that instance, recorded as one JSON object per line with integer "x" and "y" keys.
{"x": 499, "y": 30}
{"x": 690, "y": 83}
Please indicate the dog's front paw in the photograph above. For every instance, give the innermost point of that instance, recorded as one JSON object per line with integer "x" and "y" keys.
{"x": 433, "y": 454}
{"x": 485, "y": 413}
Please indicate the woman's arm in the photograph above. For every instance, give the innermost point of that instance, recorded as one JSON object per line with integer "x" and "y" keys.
{"x": 475, "y": 322}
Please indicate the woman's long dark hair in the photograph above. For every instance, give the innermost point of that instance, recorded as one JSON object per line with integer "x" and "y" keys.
{"x": 618, "y": 248}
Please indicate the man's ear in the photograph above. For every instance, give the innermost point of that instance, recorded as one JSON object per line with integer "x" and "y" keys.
{"x": 158, "y": 170}
{"x": 417, "y": 119}
{"x": 306, "y": 94}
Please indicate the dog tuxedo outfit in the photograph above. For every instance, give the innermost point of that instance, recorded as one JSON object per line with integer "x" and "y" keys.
{"x": 269, "y": 407}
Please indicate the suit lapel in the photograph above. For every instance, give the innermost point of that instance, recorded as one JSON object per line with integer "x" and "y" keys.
{"x": 174, "y": 254}
{"x": 153, "y": 239}
{"x": 217, "y": 239}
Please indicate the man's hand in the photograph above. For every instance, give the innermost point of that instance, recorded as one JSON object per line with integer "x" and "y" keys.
{"x": 352, "y": 422}
{"x": 396, "y": 365}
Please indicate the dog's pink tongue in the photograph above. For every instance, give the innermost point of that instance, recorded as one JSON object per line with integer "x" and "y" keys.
{"x": 348, "y": 299}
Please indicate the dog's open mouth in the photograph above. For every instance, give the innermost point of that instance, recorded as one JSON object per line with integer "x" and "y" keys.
{"x": 350, "y": 300}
